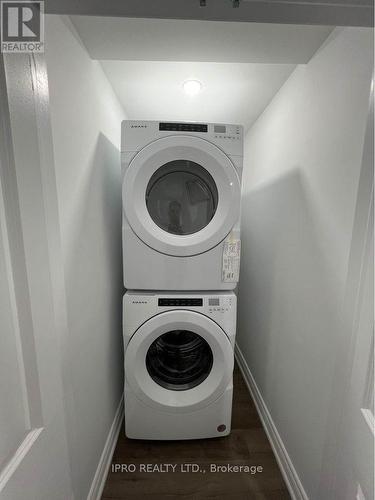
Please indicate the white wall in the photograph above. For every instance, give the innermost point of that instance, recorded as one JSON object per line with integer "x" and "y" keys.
{"x": 301, "y": 173}
{"x": 86, "y": 118}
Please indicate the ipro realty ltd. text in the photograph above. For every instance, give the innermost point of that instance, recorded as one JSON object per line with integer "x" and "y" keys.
{"x": 149, "y": 468}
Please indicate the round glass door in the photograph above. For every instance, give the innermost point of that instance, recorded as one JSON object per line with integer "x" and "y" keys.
{"x": 179, "y": 360}
{"x": 181, "y": 197}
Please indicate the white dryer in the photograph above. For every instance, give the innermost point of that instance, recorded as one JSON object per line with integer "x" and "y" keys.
{"x": 179, "y": 355}
{"x": 181, "y": 205}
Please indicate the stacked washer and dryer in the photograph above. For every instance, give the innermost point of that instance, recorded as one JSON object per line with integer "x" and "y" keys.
{"x": 181, "y": 196}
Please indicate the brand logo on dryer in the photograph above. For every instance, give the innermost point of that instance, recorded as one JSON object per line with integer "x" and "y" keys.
{"x": 138, "y": 126}
{"x": 139, "y": 302}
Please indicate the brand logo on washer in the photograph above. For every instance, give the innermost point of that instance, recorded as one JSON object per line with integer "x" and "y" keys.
{"x": 138, "y": 126}
{"x": 139, "y": 302}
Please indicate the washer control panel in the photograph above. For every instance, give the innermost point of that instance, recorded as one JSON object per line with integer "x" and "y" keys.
{"x": 180, "y": 302}
{"x": 219, "y": 305}
{"x": 212, "y": 305}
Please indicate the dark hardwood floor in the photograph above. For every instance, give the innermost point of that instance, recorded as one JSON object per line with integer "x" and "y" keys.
{"x": 246, "y": 445}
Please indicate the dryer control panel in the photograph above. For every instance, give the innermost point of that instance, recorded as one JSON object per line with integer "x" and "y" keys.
{"x": 227, "y": 132}
{"x": 184, "y": 127}
{"x": 136, "y": 134}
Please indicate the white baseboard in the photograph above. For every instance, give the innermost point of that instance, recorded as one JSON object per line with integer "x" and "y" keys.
{"x": 101, "y": 473}
{"x": 288, "y": 471}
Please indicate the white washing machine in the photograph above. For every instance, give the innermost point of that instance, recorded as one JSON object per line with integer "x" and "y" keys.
{"x": 181, "y": 205}
{"x": 179, "y": 355}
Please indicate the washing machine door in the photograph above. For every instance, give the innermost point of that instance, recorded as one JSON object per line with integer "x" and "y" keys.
{"x": 179, "y": 361}
{"x": 181, "y": 195}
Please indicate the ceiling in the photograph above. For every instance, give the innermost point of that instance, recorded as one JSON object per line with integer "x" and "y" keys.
{"x": 232, "y": 92}
{"x": 323, "y": 12}
{"x": 241, "y": 65}
{"x": 177, "y": 40}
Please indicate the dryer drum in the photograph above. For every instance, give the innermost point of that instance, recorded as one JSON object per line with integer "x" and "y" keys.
{"x": 179, "y": 360}
{"x": 181, "y": 197}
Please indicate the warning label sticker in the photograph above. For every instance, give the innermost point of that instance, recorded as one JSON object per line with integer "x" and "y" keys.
{"x": 231, "y": 260}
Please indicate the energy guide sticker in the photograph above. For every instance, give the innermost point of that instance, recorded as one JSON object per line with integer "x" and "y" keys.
{"x": 231, "y": 260}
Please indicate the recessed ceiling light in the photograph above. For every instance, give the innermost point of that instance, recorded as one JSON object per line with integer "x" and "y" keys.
{"x": 192, "y": 87}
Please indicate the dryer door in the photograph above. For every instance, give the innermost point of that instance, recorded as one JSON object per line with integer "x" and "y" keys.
{"x": 181, "y": 195}
{"x": 179, "y": 361}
